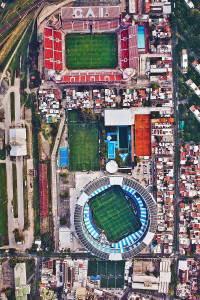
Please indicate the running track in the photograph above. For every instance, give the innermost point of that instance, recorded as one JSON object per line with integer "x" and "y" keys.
{"x": 19, "y": 15}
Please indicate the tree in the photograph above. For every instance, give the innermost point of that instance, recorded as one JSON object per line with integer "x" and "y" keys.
{"x": 154, "y": 86}
{"x": 137, "y": 159}
{"x": 17, "y": 235}
{"x": 63, "y": 221}
{"x": 147, "y": 273}
{"x": 8, "y": 148}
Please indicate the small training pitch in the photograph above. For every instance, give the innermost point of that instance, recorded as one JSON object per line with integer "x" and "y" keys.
{"x": 83, "y": 147}
{"x": 111, "y": 273}
{"x": 114, "y": 213}
{"x": 91, "y": 51}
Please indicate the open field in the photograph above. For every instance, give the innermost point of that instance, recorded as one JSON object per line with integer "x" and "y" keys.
{"x": 110, "y": 272}
{"x": 83, "y": 147}
{"x": 3, "y": 204}
{"x": 91, "y": 51}
{"x": 113, "y": 213}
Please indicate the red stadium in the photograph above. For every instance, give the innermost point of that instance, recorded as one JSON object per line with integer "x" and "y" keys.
{"x": 90, "y": 20}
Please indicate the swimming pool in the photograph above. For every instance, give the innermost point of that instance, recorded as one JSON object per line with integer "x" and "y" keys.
{"x": 111, "y": 150}
{"x": 141, "y": 39}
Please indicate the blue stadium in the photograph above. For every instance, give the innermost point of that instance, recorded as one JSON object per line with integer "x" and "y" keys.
{"x": 129, "y": 246}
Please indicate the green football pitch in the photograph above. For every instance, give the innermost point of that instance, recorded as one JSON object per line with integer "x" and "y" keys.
{"x": 83, "y": 147}
{"x": 114, "y": 212}
{"x": 91, "y": 51}
{"x": 110, "y": 272}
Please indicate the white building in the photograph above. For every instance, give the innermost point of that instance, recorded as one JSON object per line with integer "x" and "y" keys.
{"x": 184, "y": 61}
{"x": 193, "y": 86}
{"x": 189, "y": 3}
{"x": 18, "y": 142}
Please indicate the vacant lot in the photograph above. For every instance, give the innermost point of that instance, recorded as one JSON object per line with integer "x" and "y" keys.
{"x": 83, "y": 147}
{"x": 91, "y": 51}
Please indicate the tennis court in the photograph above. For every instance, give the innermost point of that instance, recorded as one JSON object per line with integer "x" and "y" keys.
{"x": 111, "y": 273}
{"x": 115, "y": 213}
{"x": 91, "y": 51}
{"x": 63, "y": 157}
{"x": 83, "y": 147}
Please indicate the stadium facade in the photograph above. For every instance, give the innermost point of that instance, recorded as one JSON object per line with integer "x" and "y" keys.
{"x": 95, "y": 240}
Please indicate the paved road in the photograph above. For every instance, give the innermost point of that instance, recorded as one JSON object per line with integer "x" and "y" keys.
{"x": 20, "y": 195}
{"x": 139, "y": 292}
{"x": 54, "y": 190}
{"x": 176, "y": 142}
{"x": 19, "y": 16}
{"x": 176, "y": 137}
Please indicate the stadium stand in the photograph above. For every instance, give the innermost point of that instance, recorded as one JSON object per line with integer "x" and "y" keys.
{"x": 124, "y": 49}
{"x": 85, "y": 25}
{"x": 85, "y": 18}
{"x": 129, "y": 47}
{"x": 91, "y": 77}
{"x": 129, "y": 246}
{"x": 133, "y": 46}
{"x": 42, "y": 168}
{"x": 52, "y": 49}
{"x": 90, "y": 12}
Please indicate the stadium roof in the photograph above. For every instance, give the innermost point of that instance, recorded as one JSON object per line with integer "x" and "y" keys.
{"x": 18, "y": 142}
{"x": 120, "y": 117}
{"x": 111, "y": 166}
{"x": 90, "y": 12}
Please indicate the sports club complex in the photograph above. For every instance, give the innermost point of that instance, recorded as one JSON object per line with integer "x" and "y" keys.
{"x": 85, "y": 45}
{"x": 90, "y": 29}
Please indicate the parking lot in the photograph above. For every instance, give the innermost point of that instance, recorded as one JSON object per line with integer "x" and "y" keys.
{"x": 142, "y": 172}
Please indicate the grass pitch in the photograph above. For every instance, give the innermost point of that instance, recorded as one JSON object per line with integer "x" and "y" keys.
{"x": 114, "y": 213}
{"x": 91, "y": 51}
{"x": 111, "y": 272}
{"x": 83, "y": 147}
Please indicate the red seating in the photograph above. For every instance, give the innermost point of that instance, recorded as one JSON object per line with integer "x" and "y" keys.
{"x": 57, "y": 35}
{"x": 48, "y": 43}
{"x": 48, "y": 31}
{"x": 58, "y": 66}
{"x": 57, "y": 56}
{"x": 124, "y": 49}
{"x": 133, "y": 47}
{"x": 48, "y": 65}
{"x": 52, "y": 49}
{"x": 48, "y": 53}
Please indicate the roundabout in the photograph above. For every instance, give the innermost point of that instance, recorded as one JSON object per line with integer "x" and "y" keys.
{"x": 115, "y": 217}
